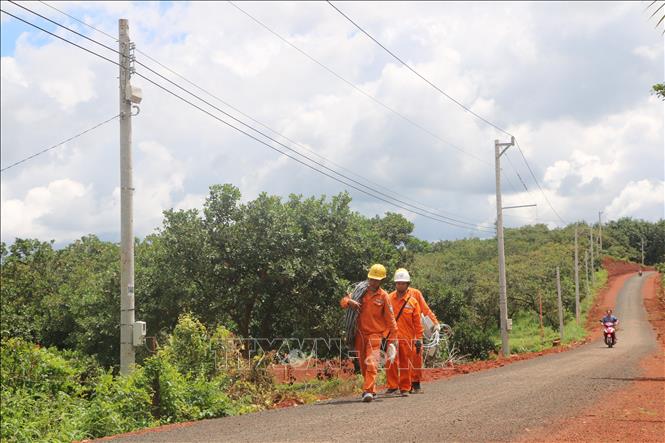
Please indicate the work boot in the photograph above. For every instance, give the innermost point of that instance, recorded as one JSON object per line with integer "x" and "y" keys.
{"x": 391, "y": 391}
{"x": 367, "y": 397}
{"x": 415, "y": 388}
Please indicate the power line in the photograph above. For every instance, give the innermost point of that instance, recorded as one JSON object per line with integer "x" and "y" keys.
{"x": 67, "y": 28}
{"x": 517, "y": 173}
{"x": 240, "y": 112}
{"x": 285, "y": 146}
{"x": 453, "y": 100}
{"x": 366, "y": 94}
{"x": 417, "y": 73}
{"x": 59, "y": 144}
{"x": 442, "y": 219}
{"x": 334, "y": 73}
{"x": 519, "y": 148}
{"x": 78, "y": 20}
{"x": 302, "y": 162}
{"x": 58, "y": 37}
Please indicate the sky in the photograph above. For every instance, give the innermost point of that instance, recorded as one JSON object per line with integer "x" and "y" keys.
{"x": 570, "y": 80}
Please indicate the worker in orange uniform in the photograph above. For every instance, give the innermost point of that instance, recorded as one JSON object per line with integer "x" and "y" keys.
{"x": 409, "y": 334}
{"x": 375, "y": 317}
{"x": 416, "y": 357}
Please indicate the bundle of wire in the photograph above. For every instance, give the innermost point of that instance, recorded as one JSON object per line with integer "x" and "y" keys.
{"x": 351, "y": 315}
{"x": 432, "y": 337}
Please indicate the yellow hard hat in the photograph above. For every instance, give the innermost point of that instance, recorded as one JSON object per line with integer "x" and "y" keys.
{"x": 377, "y": 272}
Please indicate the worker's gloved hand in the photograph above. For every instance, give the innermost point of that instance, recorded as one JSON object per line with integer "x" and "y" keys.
{"x": 391, "y": 352}
{"x": 437, "y": 327}
{"x": 419, "y": 346}
{"x": 354, "y": 304}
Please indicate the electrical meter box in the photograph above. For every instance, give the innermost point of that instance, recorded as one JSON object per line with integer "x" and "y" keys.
{"x": 139, "y": 331}
{"x": 133, "y": 94}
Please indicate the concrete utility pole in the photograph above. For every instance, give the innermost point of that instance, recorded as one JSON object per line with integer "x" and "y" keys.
{"x": 503, "y": 305}
{"x": 577, "y": 282}
{"x": 586, "y": 271}
{"x": 131, "y": 333}
{"x": 600, "y": 235}
{"x": 593, "y": 264}
{"x": 558, "y": 291}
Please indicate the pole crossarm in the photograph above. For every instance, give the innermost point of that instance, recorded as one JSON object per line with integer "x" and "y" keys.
{"x": 519, "y": 206}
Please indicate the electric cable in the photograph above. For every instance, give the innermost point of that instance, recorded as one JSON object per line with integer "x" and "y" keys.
{"x": 366, "y": 94}
{"x": 476, "y": 228}
{"x": 452, "y": 223}
{"x": 351, "y": 315}
{"x": 67, "y": 28}
{"x": 59, "y": 144}
{"x": 519, "y": 148}
{"x": 61, "y": 38}
{"x": 78, "y": 20}
{"x": 235, "y": 108}
{"x": 417, "y": 73}
{"x": 295, "y": 151}
{"x": 474, "y": 225}
{"x": 453, "y": 100}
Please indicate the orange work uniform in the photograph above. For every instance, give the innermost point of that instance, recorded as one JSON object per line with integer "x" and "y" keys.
{"x": 417, "y": 357}
{"x": 375, "y": 317}
{"x": 409, "y": 329}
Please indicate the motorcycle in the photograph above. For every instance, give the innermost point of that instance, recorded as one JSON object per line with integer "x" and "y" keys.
{"x": 609, "y": 333}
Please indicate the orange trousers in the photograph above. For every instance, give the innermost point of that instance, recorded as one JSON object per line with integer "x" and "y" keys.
{"x": 416, "y": 365}
{"x": 400, "y": 371}
{"x": 368, "y": 348}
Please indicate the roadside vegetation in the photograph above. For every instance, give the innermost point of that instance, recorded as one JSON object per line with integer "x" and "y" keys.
{"x": 265, "y": 268}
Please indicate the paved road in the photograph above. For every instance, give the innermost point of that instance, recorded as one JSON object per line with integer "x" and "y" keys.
{"x": 494, "y": 405}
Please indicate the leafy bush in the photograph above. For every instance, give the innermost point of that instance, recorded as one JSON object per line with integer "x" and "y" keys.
{"x": 29, "y": 366}
{"x": 189, "y": 347}
{"x": 473, "y": 341}
{"x": 117, "y": 405}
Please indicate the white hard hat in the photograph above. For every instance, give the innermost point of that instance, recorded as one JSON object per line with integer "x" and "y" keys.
{"x": 402, "y": 275}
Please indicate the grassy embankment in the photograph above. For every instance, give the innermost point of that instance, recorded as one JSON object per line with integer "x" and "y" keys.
{"x": 526, "y": 334}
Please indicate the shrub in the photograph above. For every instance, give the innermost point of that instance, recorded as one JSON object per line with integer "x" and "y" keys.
{"x": 189, "y": 347}
{"x": 117, "y": 405}
{"x": 473, "y": 341}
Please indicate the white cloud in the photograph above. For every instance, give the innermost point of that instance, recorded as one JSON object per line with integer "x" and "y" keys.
{"x": 571, "y": 84}
{"x": 10, "y": 72}
{"x": 649, "y": 52}
{"x": 639, "y": 199}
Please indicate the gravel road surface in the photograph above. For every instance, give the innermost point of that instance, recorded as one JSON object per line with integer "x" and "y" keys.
{"x": 493, "y": 405}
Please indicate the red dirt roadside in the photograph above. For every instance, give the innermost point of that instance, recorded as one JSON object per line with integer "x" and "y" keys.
{"x": 617, "y": 274}
{"x": 634, "y": 413}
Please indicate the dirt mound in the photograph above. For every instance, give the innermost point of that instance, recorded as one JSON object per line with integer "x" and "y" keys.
{"x": 312, "y": 369}
{"x": 617, "y": 267}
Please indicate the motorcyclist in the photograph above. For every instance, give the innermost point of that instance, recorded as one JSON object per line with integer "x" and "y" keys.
{"x": 610, "y": 318}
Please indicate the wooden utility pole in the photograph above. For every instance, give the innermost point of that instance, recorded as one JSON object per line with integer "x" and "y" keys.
{"x": 558, "y": 291}
{"x": 503, "y": 305}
